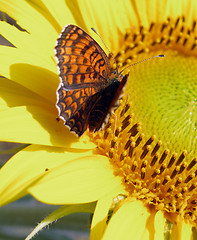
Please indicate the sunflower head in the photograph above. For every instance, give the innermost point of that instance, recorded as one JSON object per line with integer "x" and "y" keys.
{"x": 150, "y": 138}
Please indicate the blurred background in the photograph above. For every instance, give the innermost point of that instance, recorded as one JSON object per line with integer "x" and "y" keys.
{"x": 18, "y": 219}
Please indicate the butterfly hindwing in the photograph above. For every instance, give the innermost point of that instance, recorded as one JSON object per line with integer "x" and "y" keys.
{"x": 75, "y": 107}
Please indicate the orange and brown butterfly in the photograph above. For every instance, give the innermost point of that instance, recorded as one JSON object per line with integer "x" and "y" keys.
{"x": 89, "y": 88}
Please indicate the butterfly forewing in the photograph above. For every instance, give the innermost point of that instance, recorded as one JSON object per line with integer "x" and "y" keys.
{"x": 80, "y": 59}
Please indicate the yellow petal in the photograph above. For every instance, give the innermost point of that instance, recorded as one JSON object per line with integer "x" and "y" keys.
{"x": 181, "y": 230}
{"x": 151, "y": 11}
{"x": 37, "y": 79}
{"x": 60, "y": 11}
{"x": 159, "y": 11}
{"x": 31, "y": 20}
{"x": 28, "y": 43}
{"x": 34, "y": 124}
{"x": 27, "y": 166}
{"x": 10, "y": 56}
{"x": 13, "y": 95}
{"x": 82, "y": 180}
{"x": 129, "y": 221}
{"x": 27, "y": 71}
{"x": 99, "y": 221}
{"x": 186, "y": 8}
{"x": 187, "y": 231}
{"x": 159, "y": 225}
{"x": 108, "y": 18}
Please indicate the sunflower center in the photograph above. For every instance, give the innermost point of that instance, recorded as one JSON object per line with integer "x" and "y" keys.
{"x": 163, "y": 97}
{"x": 152, "y": 139}
{"x": 163, "y": 91}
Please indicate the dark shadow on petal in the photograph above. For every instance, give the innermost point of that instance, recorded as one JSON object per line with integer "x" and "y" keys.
{"x": 42, "y": 110}
{"x": 37, "y": 79}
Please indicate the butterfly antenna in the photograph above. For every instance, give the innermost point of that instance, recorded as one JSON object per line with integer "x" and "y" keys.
{"x": 144, "y": 60}
{"x": 107, "y": 48}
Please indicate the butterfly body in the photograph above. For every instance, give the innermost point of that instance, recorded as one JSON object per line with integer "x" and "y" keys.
{"x": 89, "y": 88}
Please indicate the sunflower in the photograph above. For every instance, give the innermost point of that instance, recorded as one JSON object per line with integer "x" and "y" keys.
{"x": 137, "y": 174}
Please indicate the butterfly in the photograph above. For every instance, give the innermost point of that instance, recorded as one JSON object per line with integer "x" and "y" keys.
{"x": 89, "y": 88}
